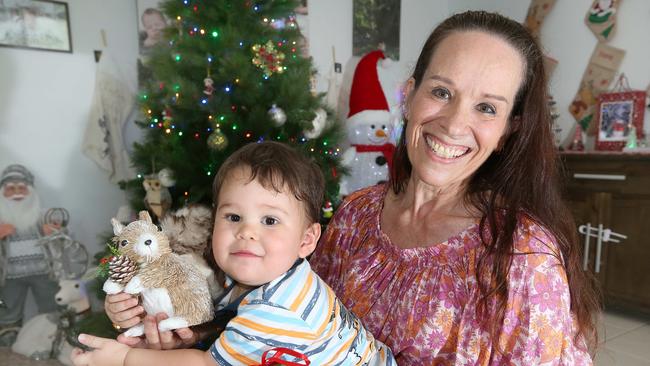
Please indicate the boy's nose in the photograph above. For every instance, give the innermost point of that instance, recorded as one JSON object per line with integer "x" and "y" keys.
{"x": 247, "y": 232}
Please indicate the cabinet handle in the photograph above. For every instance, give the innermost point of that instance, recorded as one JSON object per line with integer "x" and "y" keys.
{"x": 585, "y": 259}
{"x": 599, "y": 176}
{"x": 599, "y": 247}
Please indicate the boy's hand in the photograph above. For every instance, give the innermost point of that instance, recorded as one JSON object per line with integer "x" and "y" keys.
{"x": 154, "y": 339}
{"x": 106, "y": 352}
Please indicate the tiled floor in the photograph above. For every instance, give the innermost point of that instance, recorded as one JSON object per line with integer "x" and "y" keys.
{"x": 626, "y": 340}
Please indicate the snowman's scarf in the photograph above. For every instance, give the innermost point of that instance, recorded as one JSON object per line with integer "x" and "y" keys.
{"x": 386, "y": 149}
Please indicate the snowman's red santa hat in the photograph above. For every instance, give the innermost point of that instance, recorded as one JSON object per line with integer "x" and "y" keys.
{"x": 367, "y": 99}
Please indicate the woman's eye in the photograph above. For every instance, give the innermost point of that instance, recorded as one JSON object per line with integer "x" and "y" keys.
{"x": 441, "y": 93}
{"x": 269, "y": 220}
{"x": 233, "y": 218}
{"x": 486, "y": 108}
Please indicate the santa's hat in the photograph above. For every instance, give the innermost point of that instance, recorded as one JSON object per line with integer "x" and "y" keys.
{"x": 367, "y": 99}
{"x": 16, "y": 173}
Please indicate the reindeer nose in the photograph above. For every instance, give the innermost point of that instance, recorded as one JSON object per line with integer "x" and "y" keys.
{"x": 380, "y": 133}
{"x": 147, "y": 242}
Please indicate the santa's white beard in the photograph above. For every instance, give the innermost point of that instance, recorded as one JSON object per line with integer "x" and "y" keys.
{"x": 23, "y": 214}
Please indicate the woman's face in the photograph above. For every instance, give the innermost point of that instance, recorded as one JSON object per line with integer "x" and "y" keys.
{"x": 459, "y": 112}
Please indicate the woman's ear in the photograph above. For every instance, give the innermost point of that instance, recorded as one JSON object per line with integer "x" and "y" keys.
{"x": 309, "y": 240}
{"x": 409, "y": 89}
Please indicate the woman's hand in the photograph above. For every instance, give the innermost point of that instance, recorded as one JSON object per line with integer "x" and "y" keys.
{"x": 155, "y": 339}
{"x": 104, "y": 352}
{"x": 123, "y": 310}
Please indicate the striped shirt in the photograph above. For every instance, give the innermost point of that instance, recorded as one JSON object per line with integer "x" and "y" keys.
{"x": 297, "y": 311}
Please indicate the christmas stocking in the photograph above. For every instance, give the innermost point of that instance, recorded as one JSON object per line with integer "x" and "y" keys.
{"x": 601, "y": 18}
{"x": 602, "y": 67}
{"x": 537, "y": 11}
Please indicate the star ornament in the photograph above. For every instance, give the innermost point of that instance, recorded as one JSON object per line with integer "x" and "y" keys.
{"x": 268, "y": 58}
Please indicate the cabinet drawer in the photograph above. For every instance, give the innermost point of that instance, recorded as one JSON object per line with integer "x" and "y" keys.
{"x": 629, "y": 177}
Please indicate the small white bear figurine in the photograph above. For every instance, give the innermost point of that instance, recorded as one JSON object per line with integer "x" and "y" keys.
{"x": 167, "y": 283}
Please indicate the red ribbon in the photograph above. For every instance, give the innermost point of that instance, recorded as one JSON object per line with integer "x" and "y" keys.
{"x": 386, "y": 149}
{"x": 279, "y": 352}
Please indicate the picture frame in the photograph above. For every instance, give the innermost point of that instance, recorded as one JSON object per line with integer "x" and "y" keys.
{"x": 35, "y": 24}
{"x": 616, "y": 114}
{"x": 376, "y": 25}
{"x": 151, "y": 25}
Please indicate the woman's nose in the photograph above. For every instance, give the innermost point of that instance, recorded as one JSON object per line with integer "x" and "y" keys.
{"x": 456, "y": 121}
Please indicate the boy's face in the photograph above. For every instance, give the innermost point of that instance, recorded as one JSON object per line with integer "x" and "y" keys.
{"x": 259, "y": 233}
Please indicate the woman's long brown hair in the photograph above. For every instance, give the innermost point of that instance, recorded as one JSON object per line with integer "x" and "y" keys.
{"x": 522, "y": 177}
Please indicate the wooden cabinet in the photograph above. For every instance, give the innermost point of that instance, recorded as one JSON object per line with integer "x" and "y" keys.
{"x": 614, "y": 190}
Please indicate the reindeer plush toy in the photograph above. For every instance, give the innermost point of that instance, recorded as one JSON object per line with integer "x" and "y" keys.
{"x": 167, "y": 283}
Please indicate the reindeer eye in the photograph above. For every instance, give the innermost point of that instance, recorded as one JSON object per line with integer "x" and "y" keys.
{"x": 124, "y": 243}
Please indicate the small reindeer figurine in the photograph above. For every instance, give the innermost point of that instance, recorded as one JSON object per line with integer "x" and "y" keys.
{"x": 167, "y": 283}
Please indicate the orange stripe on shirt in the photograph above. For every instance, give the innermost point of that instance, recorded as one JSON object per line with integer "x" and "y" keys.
{"x": 330, "y": 305}
{"x": 345, "y": 347}
{"x": 303, "y": 292}
{"x": 269, "y": 330}
{"x": 234, "y": 354}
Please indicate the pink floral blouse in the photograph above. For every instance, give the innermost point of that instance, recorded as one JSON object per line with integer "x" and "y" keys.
{"x": 421, "y": 302}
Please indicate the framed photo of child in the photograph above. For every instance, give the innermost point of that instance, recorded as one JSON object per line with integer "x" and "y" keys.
{"x": 617, "y": 115}
{"x": 151, "y": 24}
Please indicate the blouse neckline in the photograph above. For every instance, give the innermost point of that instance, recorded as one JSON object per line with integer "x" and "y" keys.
{"x": 434, "y": 250}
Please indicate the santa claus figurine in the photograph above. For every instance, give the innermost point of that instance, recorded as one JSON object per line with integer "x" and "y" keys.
{"x": 368, "y": 129}
{"x": 22, "y": 260}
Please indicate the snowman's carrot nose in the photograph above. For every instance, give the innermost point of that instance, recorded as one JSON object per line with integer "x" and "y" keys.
{"x": 380, "y": 133}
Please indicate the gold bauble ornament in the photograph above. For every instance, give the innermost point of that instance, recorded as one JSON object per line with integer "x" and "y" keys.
{"x": 217, "y": 140}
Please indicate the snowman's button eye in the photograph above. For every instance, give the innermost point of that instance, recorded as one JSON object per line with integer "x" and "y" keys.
{"x": 372, "y": 126}
{"x": 383, "y": 127}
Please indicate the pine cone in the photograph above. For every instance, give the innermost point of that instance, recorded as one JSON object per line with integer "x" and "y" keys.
{"x": 121, "y": 269}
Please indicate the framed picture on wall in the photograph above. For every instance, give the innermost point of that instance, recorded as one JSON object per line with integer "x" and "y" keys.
{"x": 35, "y": 24}
{"x": 151, "y": 27}
{"x": 151, "y": 24}
{"x": 617, "y": 115}
{"x": 376, "y": 25}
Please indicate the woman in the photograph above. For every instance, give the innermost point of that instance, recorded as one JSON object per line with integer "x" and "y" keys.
{"x": 467, "y": 256}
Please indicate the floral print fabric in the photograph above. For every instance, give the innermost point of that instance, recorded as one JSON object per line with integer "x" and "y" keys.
{"x": 422, "y": 301}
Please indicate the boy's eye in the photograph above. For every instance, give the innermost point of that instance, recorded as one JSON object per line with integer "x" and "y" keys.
{"x": 486, "y": 108}
{"x": 233, "y": 218}
{"x": 268, "y": 220}
{"x": 441, "y": 93}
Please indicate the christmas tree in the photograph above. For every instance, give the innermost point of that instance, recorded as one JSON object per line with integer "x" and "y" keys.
{"x": 228, "y": 73}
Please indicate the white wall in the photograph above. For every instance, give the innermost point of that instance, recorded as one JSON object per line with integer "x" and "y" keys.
{"x": 564, "y": 36}
{"x": 330, "y": 24}
{"x": 44, "y": 105}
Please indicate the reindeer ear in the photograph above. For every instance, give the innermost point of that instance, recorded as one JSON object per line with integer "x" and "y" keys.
{"x": 144, "y": 216}
{"x": 117, "y": 226}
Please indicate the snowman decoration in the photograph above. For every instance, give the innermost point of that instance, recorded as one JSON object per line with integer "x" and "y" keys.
{"x": 368, "y": 126}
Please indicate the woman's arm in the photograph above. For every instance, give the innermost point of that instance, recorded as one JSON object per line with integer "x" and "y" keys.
{"x": 538, "y": 326}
